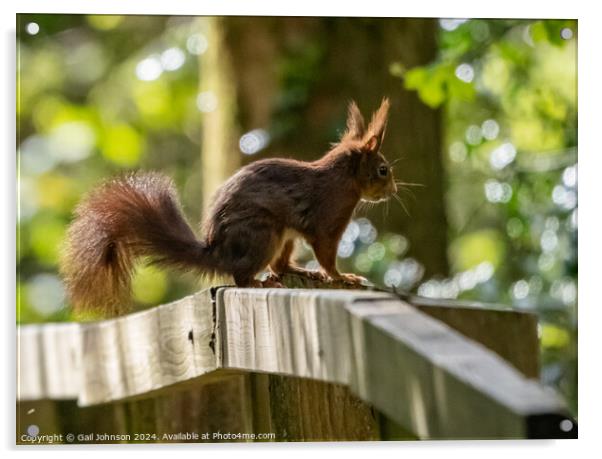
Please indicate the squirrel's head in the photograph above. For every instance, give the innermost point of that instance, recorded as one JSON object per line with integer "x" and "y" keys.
{"x": 373, "y": 172}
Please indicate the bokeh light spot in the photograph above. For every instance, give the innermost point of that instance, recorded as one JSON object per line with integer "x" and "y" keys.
{"x": 451, "y": 24}
{"x": 397, "y": 244}
{"x": 352, "y": 232}
{"x": 45, "y": 293}
{"x": 569, "y": 176}
{"x": 172, "y": 59}
{"x": 497, "y": 191}
{"x": 72, "y": 142}
{"x": 368, "y": 232}
{"x": 345, "y": 249}
{"x": 502, "y": 156}
{"x": 376, "y": 251}
{"x": 149, "y": 69}
{"x": 566, "y": 33}
{"x": 32, "y": 28}
{"x": 465, "y": 72}
{"x": 566, "y": 425}
{"x": 197, "y": 44}
{"x": 35, "y": 155}
{"x": 254, "y": 141}
{"x": 564, "y": 197}
{"x": 490, "y": 129}
{"x": 206, "y": 101}
{"x": 473, "y": 134}
{"x": 458, "y": 152}
{"x": 520, "y": 289}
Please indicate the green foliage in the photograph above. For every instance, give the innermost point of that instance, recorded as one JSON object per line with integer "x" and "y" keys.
{"x": 87, "y": 109}
{"x": 98, "y": 95}
{"x": 437, "y": 83}
{"x": 512, "y": 193}
{"x": 150, "y": 285}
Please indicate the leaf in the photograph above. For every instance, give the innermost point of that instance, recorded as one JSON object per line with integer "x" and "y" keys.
{"x": 460, "y": 89}
{"x": 550, "y": 30}
{"x": 428, "y": 83}
{"x": 415, "y": 78}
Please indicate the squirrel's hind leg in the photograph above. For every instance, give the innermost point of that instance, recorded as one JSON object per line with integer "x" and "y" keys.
{"x": 283, "y": 264}
{"x": 247, "y": 251}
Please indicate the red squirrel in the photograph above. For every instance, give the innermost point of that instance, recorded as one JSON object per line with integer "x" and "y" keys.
{"x": 251, "y": 225}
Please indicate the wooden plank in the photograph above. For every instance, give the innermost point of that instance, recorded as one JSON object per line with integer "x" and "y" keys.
{"x": 302, "y": 333}
{"x": 437, "y": 383}
{"x": 510, "y": 334}
{"x": 103, "y": 376}
{"x": 146, "y": 351}
{"x": 30, "y": 376}
{"x": 300, "y": 409}
{"x": 48, "y": 362}
{"x": 211, "y": 412}
{"x": 422, "y": 374}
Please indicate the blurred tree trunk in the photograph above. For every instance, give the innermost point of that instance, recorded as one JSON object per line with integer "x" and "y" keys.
{"x": 294, "y": 78}
{"x": 217, "y": 94}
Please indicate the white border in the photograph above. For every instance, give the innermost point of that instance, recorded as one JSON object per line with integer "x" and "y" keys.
{"x": 457, "y": 8}
{"x": 590, "y": 196}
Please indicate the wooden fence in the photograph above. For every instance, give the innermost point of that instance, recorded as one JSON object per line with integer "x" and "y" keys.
{"x": 231, "y": 364}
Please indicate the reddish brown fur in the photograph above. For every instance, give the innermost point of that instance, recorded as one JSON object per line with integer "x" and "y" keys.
{"x": 252, "y": 223}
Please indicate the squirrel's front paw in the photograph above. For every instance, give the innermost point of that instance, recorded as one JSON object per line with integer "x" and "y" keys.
{"x": 352, "y": 279}
{"x": 272, "y": 281}
{"x": 309, "y": 274}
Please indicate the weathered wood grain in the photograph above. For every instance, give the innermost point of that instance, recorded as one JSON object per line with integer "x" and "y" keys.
{"x": 48, "y": 361}
{"x": 437, "y": 382}
{"x": 510, "y": 334}
{"x": 148, "y": 350}
{"x": 420, "y": 372}
{"x": 424, "y": 375}
{"x": 301, "y": 409}
{"x": 303, "y": 333}
{"x": 30, "y": 372}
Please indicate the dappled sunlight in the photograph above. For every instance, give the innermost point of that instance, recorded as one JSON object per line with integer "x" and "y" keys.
{"x": 99, "y": 95}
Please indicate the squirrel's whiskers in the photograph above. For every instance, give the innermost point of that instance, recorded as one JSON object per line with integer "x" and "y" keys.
{"x": 400, "y": 201}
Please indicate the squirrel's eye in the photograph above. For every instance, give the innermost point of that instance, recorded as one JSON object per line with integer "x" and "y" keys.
{"x": 383, "y": 171}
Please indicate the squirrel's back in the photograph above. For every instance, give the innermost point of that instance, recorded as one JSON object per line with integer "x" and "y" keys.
{"x": 283, "y": 190}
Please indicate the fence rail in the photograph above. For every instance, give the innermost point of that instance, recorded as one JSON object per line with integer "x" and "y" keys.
{"x": 433, "y": 371}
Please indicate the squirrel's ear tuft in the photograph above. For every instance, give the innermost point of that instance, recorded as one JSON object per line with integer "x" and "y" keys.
{"x": 355, "y": 123}
{"x": 372, "y": 145}
{"x": 376, "y": 129}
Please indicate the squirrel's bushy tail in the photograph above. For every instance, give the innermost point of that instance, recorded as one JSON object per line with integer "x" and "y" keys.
{"x": 133, "y": 216}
